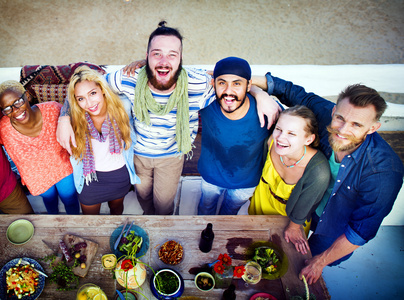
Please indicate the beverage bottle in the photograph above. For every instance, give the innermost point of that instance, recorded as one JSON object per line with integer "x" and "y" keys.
{"x": 230, "y": 293}
{"x": 206, "y": 241}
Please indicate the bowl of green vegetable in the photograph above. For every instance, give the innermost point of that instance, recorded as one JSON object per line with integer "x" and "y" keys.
{"x": 135, "y": 242}
{"x": 272, "y": 259}
{"x": 167, "y": 284}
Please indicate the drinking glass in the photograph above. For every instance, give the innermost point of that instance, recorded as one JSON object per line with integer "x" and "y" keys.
{"x": 90, "y": 291}
{"x": 252, "y": 272}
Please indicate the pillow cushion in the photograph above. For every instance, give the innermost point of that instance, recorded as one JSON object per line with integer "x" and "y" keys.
{"x": 50, "y": 92}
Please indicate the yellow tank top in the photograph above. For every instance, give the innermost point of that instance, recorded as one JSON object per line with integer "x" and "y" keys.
{"x": 272, "y": 192}
{"x": 271, "y": 195}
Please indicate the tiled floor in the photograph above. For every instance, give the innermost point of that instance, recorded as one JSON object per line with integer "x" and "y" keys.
{"x": 375, "y": 271}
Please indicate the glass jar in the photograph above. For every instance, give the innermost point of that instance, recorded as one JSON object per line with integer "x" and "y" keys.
{"x": 223, "y": 281}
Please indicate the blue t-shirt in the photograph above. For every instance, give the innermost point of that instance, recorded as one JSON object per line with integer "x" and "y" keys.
{"x": 232, "y": 152}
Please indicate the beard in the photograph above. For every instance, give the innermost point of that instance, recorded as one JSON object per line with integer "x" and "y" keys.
{"x": 162, "y": 86}
{"x": 336, "y": 146}
{"x": 219, "y": 99}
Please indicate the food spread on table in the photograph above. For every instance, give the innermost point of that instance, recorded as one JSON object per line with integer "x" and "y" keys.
{"x": 77, "y": 254}
{"x": 22, "y": 280}
{"x": 171, "y": 253}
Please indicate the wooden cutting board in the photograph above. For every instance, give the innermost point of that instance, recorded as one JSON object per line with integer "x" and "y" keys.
{"x": 90, "y": 251}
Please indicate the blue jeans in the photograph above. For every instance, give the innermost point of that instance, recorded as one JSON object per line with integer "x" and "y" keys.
{"x": 233, "y": 199}
{"x": 66, "y": 190}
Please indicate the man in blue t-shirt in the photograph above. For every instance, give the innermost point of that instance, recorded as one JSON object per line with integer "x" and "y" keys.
{"x": 233, "y": 142}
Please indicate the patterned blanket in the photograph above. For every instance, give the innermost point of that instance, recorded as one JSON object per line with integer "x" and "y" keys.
{"x": 49, "y": 83}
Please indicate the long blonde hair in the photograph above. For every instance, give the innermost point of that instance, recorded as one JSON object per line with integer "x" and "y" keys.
{"x": 115, "y": 110}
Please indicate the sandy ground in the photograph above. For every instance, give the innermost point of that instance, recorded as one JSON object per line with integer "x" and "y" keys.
{"x": 268, "y": 32}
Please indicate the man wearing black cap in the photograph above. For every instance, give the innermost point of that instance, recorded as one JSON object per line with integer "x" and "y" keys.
{"x": 232, "y": 152}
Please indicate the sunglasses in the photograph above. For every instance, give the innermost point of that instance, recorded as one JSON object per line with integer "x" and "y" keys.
{"x": 17, "y": 103}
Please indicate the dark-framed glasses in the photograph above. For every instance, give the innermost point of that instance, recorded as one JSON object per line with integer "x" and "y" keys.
{"x": 17, "y": 103}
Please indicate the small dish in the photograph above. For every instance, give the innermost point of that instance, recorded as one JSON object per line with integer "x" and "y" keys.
{"x": 204, "y": 281}
{"x": 108, "y": 261}
{"x": 20, "y": 232}
{"x": 263, "y": 295}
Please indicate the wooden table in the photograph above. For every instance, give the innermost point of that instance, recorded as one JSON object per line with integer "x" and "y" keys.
{"x": 232, "y": 235}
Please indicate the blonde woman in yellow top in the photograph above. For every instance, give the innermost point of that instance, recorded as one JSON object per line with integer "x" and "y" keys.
{"x": 295, "y": 176}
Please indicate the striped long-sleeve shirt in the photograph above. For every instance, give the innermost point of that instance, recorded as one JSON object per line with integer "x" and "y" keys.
{"x": 158, "y": 139}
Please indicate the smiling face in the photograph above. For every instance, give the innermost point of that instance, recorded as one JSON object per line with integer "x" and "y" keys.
{"x": 231, "y": 93}
{"x": 90, "y": 98}
{"x": 163, "y": 64}
{"x": 350, "y": 125}
{"x": 290, "y": 136}
{"x": 19, "y": 115}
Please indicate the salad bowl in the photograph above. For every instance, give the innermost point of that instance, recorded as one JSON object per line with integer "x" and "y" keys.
{"x": 272, "y": 259}
{"x": 134, "y": 231}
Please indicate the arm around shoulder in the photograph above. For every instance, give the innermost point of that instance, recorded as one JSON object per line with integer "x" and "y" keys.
{"x": 292, "y": 94}
{"x": 65, "y": 134}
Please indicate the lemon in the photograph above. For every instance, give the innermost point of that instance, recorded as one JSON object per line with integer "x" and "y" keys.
{"x": 82, "y": 296}
{"x": 92, "y": 292}
{"x": 100, "y": 297}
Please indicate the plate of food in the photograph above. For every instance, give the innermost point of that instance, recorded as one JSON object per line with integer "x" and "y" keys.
{"x": 271, "y": 258}
{"x": 19, "y": 281}
{"x": 262, "y": 296}
{"x": 169, "y": 253}
{"x": 137, "y": 237}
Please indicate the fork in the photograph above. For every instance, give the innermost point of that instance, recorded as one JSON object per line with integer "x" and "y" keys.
{"x": 24, "y": 262}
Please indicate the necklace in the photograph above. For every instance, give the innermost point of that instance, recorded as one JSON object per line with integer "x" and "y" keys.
{"x": 291, "y": 166}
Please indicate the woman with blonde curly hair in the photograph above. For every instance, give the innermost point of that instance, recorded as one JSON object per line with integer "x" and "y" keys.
{"x": 29, "y": 136}
{"x": 103, "y": 159}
